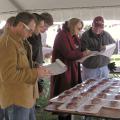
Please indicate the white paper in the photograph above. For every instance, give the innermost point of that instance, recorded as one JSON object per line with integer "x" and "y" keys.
{"x": 109, "y": 49}
{"x": 58, "y": 67}
{"x": 93, "y": 53}
{"x": 46, "y": 50}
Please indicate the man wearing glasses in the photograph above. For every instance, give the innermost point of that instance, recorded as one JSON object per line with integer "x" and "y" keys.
{"x": 18, "y": 78}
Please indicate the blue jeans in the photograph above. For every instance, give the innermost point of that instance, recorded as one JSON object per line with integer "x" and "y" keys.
{"x": 20, "y": 113}
{"x": 96, "y": 73}
{"x": 1, "y": 114}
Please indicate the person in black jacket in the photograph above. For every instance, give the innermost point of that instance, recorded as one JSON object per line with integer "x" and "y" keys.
{"x": 35, "y": 41}
{"x": 43, "y": 21}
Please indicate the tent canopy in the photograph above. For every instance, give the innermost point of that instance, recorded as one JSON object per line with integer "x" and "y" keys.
{"x": 63, "y": 9}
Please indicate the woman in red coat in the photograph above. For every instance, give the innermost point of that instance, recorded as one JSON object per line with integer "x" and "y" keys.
{"x": 67, "y": 49}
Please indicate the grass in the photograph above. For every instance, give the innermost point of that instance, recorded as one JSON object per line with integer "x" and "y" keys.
{"x": 43, "y": 101}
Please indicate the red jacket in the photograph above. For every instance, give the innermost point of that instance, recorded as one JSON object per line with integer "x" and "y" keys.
{"x": 65, "y": 49}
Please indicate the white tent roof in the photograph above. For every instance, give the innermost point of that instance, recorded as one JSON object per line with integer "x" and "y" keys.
{"x": 63, "y": 9}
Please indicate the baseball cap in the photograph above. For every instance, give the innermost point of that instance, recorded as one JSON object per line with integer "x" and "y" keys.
{"x": 98, "y": 22}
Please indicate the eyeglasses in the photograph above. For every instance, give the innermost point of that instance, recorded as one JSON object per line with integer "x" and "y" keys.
{"x": 28, "y": 29}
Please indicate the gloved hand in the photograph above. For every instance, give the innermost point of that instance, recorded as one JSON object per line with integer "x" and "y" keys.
{"x": 112, "y": 67}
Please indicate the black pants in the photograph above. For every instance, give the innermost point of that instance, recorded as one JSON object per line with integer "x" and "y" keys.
{"x": 40, "y": 85}
{"x": 68, "y": 117}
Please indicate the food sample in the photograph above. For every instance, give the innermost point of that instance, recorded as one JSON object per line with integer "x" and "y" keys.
{"x": 102, "y": 82}
{"x": 117, "y": 97}
{"x": 115, "y": 84}
{"x": 92, "y": 89}
{"x": 96, "y": 101}
{"x": 96, "y": 86}
{"x": 88, "y": 107}
{"x": 71, "y": 105}
{"x": 113, "y": 103}
{"x": 101, "y": 95}
{"x": 84, "y": 94}
{"x": 67, "y": 92}
{"x": 106, "y": 90}
{"x": 74, "y": 89}
{"x": 90, "y": 81}
{"x": 76, "y": 99}
{"x": 80, "y": 86}
{"x": 61, "y": 97}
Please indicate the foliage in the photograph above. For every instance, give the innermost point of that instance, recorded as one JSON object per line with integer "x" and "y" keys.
{"x": 43, "y": 101}
{"x": 87, "y": 27}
